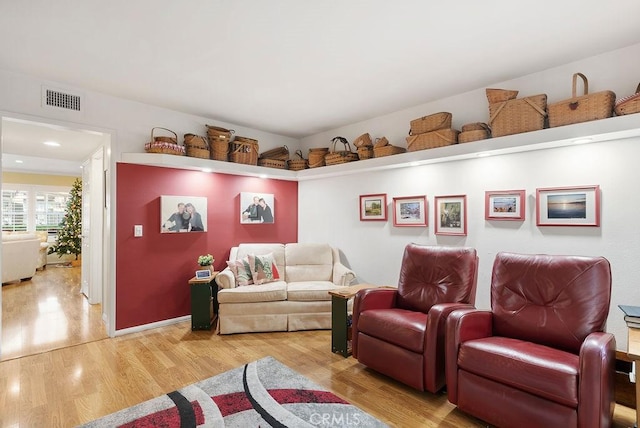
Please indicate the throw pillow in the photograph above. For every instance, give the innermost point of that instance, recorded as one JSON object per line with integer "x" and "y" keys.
{"x": 263, "y": 268}
{"x": 241, "y": 271}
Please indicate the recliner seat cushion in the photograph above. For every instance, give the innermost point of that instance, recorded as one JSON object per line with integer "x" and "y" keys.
{"x": 546, "y": 372}
{"x": 397, "y": 326}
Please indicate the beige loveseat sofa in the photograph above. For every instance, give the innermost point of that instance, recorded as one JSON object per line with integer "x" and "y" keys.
{"x": 20, "y": 256}
{"x": 299, "y": 300}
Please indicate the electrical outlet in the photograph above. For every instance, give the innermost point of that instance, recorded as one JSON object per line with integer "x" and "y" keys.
{"x": 137, "y": 230}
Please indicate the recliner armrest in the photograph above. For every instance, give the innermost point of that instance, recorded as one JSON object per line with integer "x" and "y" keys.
{"x": 597, "y": 378}
{"x": 225, "y": 279}
{"x": 463, "y": 325}
{"x": 369, "y": 298}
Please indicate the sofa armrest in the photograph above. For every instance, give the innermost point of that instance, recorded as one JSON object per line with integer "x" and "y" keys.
{"x": 596, "y": 380}
{"x": 462, "y": 325}
{"x": 342, "y": 275}
{"x": 225, "y": 279}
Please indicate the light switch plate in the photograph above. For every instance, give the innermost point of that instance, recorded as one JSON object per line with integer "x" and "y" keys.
{"x": 137, "y": 230}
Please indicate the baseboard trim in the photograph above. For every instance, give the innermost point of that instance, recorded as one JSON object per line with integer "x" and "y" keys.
{"x": 144, "y": 327}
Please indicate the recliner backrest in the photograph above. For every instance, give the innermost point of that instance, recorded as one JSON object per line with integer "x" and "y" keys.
{"x": 435, "y": 274}
{"x": 550, "y": 300}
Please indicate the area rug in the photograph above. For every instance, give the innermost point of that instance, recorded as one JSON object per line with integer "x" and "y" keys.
{"x": 264, "y": 393}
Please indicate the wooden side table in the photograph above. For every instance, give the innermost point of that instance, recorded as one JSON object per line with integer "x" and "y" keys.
{"x": 340, "y": 341}
{"x": 204, "y": 302}
{"x": 633, "y": 349}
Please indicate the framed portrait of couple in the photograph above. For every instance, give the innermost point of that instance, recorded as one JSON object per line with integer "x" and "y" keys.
{"x": 180, "y": 214}
{"x": 257, "y": 208}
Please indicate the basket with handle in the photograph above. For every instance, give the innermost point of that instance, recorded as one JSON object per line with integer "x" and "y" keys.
{"x": 381, "y": 142}
{"x": 219, "y": 139}
{"x": 518, "y": 115}
{"x": 433, "y": 139}
{"x": 164, "y": 144}
{"x": 628, "y": 105}
{"x": 432, "y": 122}
{"x": 279, "y": 153}
{"x": 473, "y": 135}
{"x": 316, "y": 156}
{"x": 196, "y": 146}
{"x": 582, "y": 108}
{"x": 298, "y": 164}
{"x": 337, "y": 157}
{"x": 365, "y": 152}
{"x": 362, "y": 140}
{"x": 244, "y": 150}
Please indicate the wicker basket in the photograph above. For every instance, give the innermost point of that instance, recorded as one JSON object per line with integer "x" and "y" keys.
{"x": 430, "y": 140}
{"x": 196, "y": 146}
{"x": 500, "y": 95}
{"x": 279, "y": 153}
{"x": 219, "y": 149}
{"x": 298, "y": 164}
{"x": 218, "y": 133}
{"x": 365, "y": 152}
{"x": 517, "y": 116}
{"x": 244, "y": 150}
{"x": 433, "y": 122}
{"x": 473, "y": 135}
{"x": 475, "y": 126}
{"x": 163, "y": 144}
{"x": 316, "y": 157}
{"x": 273, "y": 163}
{"x": 362, "y": 140}
{"x": 629, "y": 105}
{"x": 583, "y": 108}
{"x": 337, "y": 157}
{"x": 387, "y": 150}
{"x": 381, "y": 142}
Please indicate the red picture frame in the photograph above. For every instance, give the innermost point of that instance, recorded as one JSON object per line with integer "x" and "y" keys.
{"x": 504, "y": 205}
{"x": 373, "y": 207}
{"x": 568, "y": 206}
{"x": 410, "y": 211}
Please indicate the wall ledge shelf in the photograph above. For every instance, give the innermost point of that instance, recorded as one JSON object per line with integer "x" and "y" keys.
{"x": 615, "y": 128}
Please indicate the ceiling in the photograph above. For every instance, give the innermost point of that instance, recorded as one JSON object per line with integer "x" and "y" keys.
{"x": 295, "y": 67}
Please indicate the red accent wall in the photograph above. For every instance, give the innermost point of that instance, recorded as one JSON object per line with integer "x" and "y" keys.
{"x": 152, "y": 272}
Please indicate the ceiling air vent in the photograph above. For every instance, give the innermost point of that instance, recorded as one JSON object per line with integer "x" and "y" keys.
{"x": 59, "y": 99}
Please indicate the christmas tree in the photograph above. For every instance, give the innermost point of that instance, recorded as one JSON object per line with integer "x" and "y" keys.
{"x": 69, "y": 239}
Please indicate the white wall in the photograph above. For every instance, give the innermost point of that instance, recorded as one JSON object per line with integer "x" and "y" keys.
{"x": 329, "y": 207}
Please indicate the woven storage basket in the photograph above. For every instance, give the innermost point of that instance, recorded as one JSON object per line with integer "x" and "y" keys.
{"x": 219, "y": 149}
{"x": 381, "y": 142}
{"x": 387, "y": 150}
{"x": 163, "y": 144}
{"x": 219, "y": 133}
{"x": 337, "y": 157}
{"x": 362, "y": 140}
{"x": 244, "y": 150}
{"x": 196, "y": 146}
{"x": 500, "y": 95}
{"x": 473, "y": 135}
{"x": 629, "y": 105}
{"x": 299, "y": 163}
{"x": 430, "y": 140}
{"x": 475, "y": 126}
{"x": 517, "y": 116}
{"x": 273, "y": 163}
{"x": 433, "y": 122}
{"x": 316, "y": 157}
{"x": 365, "y": 152}
{"x": 583, "y": 108}
{"x": 279, "y": 153}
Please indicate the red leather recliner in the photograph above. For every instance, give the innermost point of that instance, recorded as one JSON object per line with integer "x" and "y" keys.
{"x": 540, "y": 356}
{"x": 400, "y": 333}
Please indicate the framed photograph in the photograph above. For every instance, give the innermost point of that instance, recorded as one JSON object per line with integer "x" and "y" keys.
{"x": 451, "y": 215}
{"x": 257, "y": 208}
{"x": 410, "y": 211}
{"x": 504, "y": 205}
{"x": 183, "y": 214}
{"x": 568, "y": 206}
{"x": 373, "y": 207}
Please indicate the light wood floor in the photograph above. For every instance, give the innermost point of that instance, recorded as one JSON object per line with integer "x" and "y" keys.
{"x": 79, "y": 383}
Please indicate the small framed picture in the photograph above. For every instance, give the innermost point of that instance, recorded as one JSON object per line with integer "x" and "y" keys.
{"x": 373, "y": 207}
{"x": 504, "y": 205}
{"x": 410, "y": 211}
{"x": 203, "y": 274}
{"x": 451, "y": 215}
{"x": 568, "y": 206}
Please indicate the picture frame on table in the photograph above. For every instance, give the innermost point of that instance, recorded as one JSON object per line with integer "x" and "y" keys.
{"x": 504, "y": 205}
{"x": 410, "y": 211}
{"x": 373, "y": 207}
{"x": 451, "y": 215}
{"x": 568, "y": 206}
